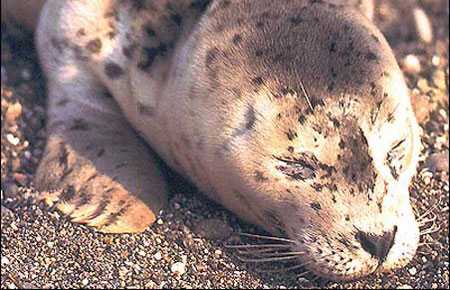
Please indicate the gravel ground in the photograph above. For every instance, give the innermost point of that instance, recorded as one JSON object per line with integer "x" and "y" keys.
{"x": 184, "y": 248}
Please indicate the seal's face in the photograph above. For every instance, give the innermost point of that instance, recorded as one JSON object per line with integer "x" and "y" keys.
{"x": 348, "y": 193}
{"x": 313, "y": 131}
{"x": 336, "y": 182}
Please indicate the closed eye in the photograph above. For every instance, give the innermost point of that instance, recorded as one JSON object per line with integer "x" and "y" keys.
{"x": 394, "y": 158}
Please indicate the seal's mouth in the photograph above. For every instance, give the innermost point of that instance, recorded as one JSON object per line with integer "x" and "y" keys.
{"x": 272, "y": 254}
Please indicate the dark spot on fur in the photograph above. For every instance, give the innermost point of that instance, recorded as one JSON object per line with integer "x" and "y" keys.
{"x": 100, "y": 153}
{"x": 200, "y": 5}
{"x": 68, "y": 193}
{"x": 347, "y": 218}
{"x": 250, "y": 121}
{"x": 113, "y": 70}
{"x": 291, "y": 135}
{"x": 79, "y": 125}
{"x": 138, "y": 4}
{"x": 81, "y": 32}
{"x": 146, "y": 110}
{"x": 316, "y": 206}
{"x": 258, "y": 81}
{"x": 176, "y": 18}
{"x": 211, "y": 56}
{"x": 62, "y": 102}
{"x": 129, "y": 50}
{"x": 94, "y": 45}
{"x": 330, "y": 87}
{"x": 151, "y": 54}
{"x": 56, "y": 44}
{"x": 370, "y": 56}
{"x": 114, "y": 216}
{"x": 258, "y": 53}
{"x": 302, "y": 120}
{"x": 251, "y": 118}
{"x": 290, "y": 149}
{"x": 300, "y": 167}
{"x": 237, "y": 38}
{"x": 79, "y": 53}
{"x": 336, "y": 123}
{"x": 341, "y": 144}
{"x": 296, "y": 20}
{"x": 150, "y": 31}
{"x": 375, "y": 38}
{"x": 333, "y": 47}
{"x": 317, "y": 187}
{"x": 259, "y": 176}
{"x": 391, "y": 117}
{"x": 112, "y": 34}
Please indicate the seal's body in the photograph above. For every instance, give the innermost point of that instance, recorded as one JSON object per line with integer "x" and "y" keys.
{"x": 292, "y": 114}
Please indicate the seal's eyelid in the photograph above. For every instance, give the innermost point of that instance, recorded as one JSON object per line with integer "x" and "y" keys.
{"x": 397, "y": 147}
{"x": 398, "y": 144}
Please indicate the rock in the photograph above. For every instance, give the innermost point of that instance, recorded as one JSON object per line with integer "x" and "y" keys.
{"x": 411, "y": 64}
{"x": 4, "y": 261}
{"x": 438, "y": 162}
{"x": 21, "y": 179}
{"x": 213, "y": 229}
{"x": 13, "y": 140}
{"x": 178, "y": 268}
{"x": 412, "y": 271}
{"x": 13, "y": 112}
{"x": 423, "y": 25}
{"x": 157, "y": 256}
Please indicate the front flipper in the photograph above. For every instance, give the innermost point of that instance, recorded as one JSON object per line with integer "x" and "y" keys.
{"x": 95, "y": 169}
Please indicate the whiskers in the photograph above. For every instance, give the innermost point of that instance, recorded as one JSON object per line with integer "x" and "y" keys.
{"x": 427, "y": 221}
{"x": 428, "y": 224}
{"x": 272, "y": 251}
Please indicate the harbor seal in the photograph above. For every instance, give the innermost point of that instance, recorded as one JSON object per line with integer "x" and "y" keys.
{"x": 292, "y": 114}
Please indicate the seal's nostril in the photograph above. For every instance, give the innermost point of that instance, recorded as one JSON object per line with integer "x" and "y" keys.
{"x": 377, "y": 245}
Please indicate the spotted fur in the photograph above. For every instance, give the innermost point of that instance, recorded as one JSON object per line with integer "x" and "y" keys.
{"x": 292, "y": 114}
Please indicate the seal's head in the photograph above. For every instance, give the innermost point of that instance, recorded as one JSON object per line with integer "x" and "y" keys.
{"x": 310, "y": 131}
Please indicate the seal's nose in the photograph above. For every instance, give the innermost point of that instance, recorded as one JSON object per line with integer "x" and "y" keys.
{"x": 377, "y": 245}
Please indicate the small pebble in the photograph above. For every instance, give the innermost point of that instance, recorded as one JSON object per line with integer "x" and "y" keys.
{"x": 13, "y": 140}
{"x": 14, "y": 226}
{"x": 405, "y": 286}
{"x": 178, "y": 268}
{"x": 217, "y": 253}
{"x": 412, "y": 271}
{"x": 411, "y": 64}
{"x": 5, "y": 261}
{"x": 13, "y": 111}
{"x": 21, "y": 179}
{"x": 435, "y": 60}
{"x": 423, "y": 25}
{"x": 157, "y": 256}
{"x": 26, "y": 75}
